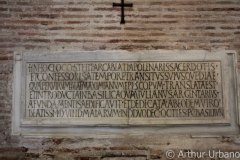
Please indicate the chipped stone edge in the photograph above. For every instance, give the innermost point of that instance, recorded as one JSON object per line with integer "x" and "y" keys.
{"x": 16, "y": 130}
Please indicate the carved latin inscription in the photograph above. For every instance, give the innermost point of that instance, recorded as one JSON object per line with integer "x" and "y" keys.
{"x": 156, "y": 90}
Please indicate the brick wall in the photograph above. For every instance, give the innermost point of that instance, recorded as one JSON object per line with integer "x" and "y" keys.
{"x": 61, "y": 25}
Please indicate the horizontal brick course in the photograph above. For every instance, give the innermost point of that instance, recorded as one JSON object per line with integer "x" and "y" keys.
{"x": 145, "y": 18}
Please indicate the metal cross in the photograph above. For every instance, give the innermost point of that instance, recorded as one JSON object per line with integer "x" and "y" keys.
{"x": 122, "y": 5}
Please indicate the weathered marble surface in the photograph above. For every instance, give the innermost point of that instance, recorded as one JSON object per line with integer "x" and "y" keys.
{"x": 122, "y": 89}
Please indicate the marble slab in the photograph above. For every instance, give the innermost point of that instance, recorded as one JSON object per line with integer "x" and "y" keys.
{"x": 120, "y": 88}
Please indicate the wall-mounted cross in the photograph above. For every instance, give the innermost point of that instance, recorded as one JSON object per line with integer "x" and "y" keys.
{"x": 122, "y": 5}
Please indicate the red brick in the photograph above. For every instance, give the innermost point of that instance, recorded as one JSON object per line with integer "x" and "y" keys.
{"x": 13, "y": 149}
